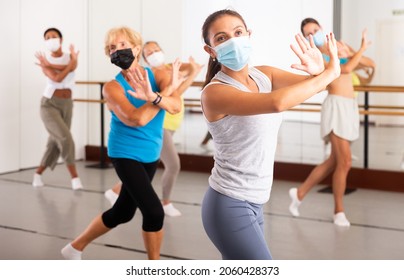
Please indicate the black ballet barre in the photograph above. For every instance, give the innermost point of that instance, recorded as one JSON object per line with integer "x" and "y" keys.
{"x": 379, "y": 89}
{"x": 103, "y": 163}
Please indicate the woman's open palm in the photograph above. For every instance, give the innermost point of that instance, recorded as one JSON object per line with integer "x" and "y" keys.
{"x": 311, "y": 59}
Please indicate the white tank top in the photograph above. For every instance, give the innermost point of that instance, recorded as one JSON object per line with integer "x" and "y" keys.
{"x": 245, "y": 147}
{"x": 68, "y": 81}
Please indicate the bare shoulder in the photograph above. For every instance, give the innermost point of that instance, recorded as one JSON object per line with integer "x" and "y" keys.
{"x": 110, "y": 88}
{"x": 267, "y": 70}
{"x": 216, "y": 90}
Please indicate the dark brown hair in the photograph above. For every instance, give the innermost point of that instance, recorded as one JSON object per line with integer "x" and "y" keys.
{"x": 306, "y": 21}
{"x": 213, "y": 65}
{"x": 54, "y": 30}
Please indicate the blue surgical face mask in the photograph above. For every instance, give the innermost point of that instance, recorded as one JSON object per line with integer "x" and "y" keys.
{"x": 234, "y": 53}
{"x": 319, "y": 38}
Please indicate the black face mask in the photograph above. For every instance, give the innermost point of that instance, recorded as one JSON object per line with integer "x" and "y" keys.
{"x": 123, "y": 58}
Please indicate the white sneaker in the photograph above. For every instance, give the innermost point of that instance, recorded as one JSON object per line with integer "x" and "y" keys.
{"x": 111, "y": 196}
{"x": 171, "y": 211}
{"x": 76, "y": 184}
{"x": 341, "y": 220}
{"x": 37, "y": 181}
{"x": 69, "y": 253}
{"x": 294, "y": 205}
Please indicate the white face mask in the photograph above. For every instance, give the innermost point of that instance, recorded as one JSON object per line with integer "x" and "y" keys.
{"x": 52, "y": 44}
{"x": 156, "y": 59}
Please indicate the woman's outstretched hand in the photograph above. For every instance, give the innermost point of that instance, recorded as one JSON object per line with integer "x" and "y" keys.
{"x": 176, "y": 77}
{"x": 332, "y": 48}
{"x": 311, "y": 59}
{"x": 141, "y": 85}
{"x": 42, "y": 61}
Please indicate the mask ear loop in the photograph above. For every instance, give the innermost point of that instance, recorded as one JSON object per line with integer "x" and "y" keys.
{"x": 213, "y": 58}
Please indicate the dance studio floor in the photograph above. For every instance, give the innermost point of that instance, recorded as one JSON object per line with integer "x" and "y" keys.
{"x": 35, "y": 223}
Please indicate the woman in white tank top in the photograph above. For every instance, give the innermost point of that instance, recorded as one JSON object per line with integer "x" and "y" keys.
{"x": 241, "y": 106}
{"x": 57, "y": 106}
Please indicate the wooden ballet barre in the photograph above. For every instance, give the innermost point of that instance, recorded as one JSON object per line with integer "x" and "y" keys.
{"x": 362, "y": 112}
{"x": 194, "y": 102}
{"x": 90, "y": 82}
{"x": 89, "y": 100}
{"x": 197, "y": 84}
{"x": 360, "y": 106}
{"x": 377, "y": 88}
{"x": 366, "y": 89}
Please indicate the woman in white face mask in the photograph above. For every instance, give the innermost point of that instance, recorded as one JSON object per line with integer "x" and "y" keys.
{"x": 154, "y": 56}
{"x": 57, "y": 106}
{"x": 241, "y": 105}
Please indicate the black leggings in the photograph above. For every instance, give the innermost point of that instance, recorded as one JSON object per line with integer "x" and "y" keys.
{"x": 136, "y": 192}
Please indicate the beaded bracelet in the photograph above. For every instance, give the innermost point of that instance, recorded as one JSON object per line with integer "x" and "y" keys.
{"x": 158, "y": 99}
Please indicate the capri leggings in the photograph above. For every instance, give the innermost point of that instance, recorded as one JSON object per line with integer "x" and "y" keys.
{"x": 136, "y": 192}
{"x": 235, "y": 227}
{"x": 171, "y": 162}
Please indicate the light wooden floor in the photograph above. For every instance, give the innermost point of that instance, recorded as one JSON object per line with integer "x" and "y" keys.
{"x": 35, "y": 223}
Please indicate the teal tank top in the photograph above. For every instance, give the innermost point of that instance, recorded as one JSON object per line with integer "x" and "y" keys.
{"x": 342, "y": 60}
{"x": 142, "y": 144}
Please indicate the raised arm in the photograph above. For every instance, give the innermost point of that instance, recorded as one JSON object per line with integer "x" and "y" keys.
{"x": 54, "y": 74}
{"x": 165, "y": 99}
{"x": 367, "y": 77}
{"x": 356, "y": 58}
{"x": 43, "y": 62}
{"x": 193, "y": 71}
{"x": 311, "y": 62}
{"x": 221, "y": 100}
{"x": 114, "y": 96}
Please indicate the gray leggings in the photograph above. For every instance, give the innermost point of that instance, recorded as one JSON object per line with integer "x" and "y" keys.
{"x": 171, "y": 162}
{"x": 235, "y": 227}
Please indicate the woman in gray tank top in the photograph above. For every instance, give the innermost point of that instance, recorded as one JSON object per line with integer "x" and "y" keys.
{"x": 241, "y": 105}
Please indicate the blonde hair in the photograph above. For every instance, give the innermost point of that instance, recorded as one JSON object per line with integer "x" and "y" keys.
{"x": 133, "y": 37}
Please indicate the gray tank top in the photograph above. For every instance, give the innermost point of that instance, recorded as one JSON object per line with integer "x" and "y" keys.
{"x": 244, "y": 147}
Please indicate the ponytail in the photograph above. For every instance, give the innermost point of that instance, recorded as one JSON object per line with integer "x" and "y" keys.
{"x": 214, "y": 66}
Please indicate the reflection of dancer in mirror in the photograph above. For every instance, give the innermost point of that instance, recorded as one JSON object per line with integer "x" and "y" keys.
{"x": 241, "y": 105}
{"x": 339, "y": 125}
{"x": 364, "y": 71}
{"x": 134, "y": 142}
{"x": 57, "y": 106}
{"x": 362, "y": 75}
{"x": 154, "y": 56}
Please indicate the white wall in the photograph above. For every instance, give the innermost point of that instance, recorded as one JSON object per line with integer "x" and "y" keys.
{"x": 175, "y": 24}
{"x": 9, "y": 86}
